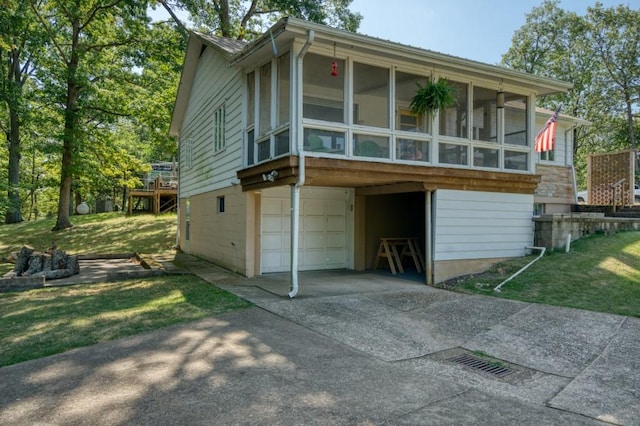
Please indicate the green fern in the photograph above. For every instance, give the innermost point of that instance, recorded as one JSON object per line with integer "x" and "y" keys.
{"x": 432, "y": 97}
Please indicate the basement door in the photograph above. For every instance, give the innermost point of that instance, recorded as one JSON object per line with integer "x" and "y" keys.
{"x": 323, "y": 232}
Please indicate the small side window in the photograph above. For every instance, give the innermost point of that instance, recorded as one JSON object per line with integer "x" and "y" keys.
{"x": 220, "y": 205}
{"x": 219, "y": 122}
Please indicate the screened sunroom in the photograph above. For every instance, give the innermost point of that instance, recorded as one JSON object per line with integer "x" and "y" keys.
{"x": 352, "y": 107}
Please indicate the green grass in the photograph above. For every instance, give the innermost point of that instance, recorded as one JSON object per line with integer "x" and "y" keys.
{"x": 600, "y": 273}
{"x": 43, "y": 322}
{"x": 104, "y": 233}
{"x": 52, "y": 320}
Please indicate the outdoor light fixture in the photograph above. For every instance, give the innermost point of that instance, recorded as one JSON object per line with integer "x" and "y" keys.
{"x": 271, "y": 176}
{"x": 500, "y": 99}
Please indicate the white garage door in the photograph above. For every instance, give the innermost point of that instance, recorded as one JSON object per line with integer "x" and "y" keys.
{"x": 323, "y": 241}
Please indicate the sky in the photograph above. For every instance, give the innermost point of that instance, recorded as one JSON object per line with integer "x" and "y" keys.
{"x": 480, "y": 30}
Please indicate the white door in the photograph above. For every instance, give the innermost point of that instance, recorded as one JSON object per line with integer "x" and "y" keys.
{"x": 323, "y": 236}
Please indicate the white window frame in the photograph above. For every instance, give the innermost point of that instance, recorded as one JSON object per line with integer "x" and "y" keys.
{"x": 188, "y": 152}
{"x": 219, "y": 129}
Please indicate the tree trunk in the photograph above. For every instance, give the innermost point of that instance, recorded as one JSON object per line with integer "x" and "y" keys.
{"x": 14, "y": 213}
{"x": 124, "y": 199}
{"x": 225, "y": 20}
{"x": 70, "y": 133}
{"x": 629, "y": 111}
{"x": 64, "y": 199}
{"x": 78, "y": 201}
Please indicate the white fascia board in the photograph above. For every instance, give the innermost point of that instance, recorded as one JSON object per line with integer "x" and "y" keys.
{"x": 389, "y": 50}
{"x": 189, "y": 68}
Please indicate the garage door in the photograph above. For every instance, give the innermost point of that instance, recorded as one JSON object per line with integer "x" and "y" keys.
{"x": 323, "y": 241}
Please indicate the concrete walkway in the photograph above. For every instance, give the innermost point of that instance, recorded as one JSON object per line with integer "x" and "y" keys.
{"x": 352, "y": 348}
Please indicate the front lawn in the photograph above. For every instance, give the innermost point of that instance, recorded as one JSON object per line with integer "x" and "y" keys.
{"x": 47, "y": 321}
{"x": 600, "y": 273}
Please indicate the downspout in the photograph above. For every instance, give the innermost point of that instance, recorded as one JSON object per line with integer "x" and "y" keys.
{"x": 542, "y": 250}
{"x": 572, "y": 162}
{"x": 295, "y": 189}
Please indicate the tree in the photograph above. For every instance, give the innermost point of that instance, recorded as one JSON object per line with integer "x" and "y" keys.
{"x": 163, "y": 56}
{"x": 248, "y": 19}
{"x": 86, "y": 71}
{"x": 18, "y": 47}
{"x": 615, "y": 36}
{"x": 598, "y": 53}
{"x": 551, "y": 44}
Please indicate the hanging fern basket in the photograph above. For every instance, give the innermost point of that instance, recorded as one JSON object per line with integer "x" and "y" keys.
{"x": 433, "y": 96}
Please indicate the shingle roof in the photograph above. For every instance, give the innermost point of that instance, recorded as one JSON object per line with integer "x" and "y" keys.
{"x": 228, "y": 45}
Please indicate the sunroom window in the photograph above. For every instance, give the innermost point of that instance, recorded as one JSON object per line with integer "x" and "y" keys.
{"x": 370, "y": 95}
{"x": 406, "y": 87}
{"x": 250, "y": 147}
{"x": 485, "y": 117}
{"x": 449, "y": 153}
{"x": 453, "y": 120}
{"x": 264, "y": 149}
{"x": 516, "y": 160}
{"x": 284, "y": 84}
{"x": 251, "y": 98}
{"x": 371, "y": 146}
{"x": 411, "y": 149}
{"x": 251, "y": 109}
{"x": 515, "y": 119}
{"x": 265, "y": 99}
{"x": 486, "y": 157}
{"x": 323, "y": 93}
{"x": 321, "y": 140}
{"x": 282, "y": 142}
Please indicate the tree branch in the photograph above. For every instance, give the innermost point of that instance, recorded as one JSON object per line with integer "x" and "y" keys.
{"x": 106, "y": 111}
{"x": 49, "y": 32}
{"x": 99, "y": 47}
{"x": 95, "y": 12}
{"x": 173, "y": 15}
{"x": 245, "y": 19}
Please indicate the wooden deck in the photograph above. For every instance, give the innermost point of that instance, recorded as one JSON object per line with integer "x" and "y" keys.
{"x": 162, "y": 197}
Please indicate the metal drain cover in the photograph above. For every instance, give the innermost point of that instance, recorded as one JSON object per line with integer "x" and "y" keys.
{"x": 482, "y": 365}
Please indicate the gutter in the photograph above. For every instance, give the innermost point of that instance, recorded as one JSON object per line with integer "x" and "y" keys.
{"x": 295, "y": 189}
{"x": 347, "y": 38}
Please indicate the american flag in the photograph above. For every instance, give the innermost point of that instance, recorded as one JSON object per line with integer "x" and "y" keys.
{"x": 546, "y": 138}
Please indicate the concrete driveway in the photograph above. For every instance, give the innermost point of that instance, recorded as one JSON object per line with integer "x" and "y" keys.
{"x": 352, "y": 348}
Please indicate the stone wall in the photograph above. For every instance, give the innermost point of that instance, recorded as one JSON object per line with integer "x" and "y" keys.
{"x": 551, "y": 230}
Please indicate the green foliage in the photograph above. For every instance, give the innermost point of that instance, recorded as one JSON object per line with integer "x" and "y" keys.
{"x": 88, "y": 73}
{"x": 433, "y": 96}
{"x": 162, "y": 53}
{"x": 43, "y": 322}
{"x": 20, "y": 44}
{"x": 249, "y": 19}
{"x": 598, "y": 53}
{"x": 600, "y": 273}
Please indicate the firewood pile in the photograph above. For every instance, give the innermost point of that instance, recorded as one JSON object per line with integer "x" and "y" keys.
{"x": 50, "y": 264}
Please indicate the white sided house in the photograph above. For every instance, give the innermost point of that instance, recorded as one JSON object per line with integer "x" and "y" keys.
{"x": 299, "y": 151}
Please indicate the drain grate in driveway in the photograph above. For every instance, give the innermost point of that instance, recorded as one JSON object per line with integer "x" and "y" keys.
{"x": 482, "y": 365}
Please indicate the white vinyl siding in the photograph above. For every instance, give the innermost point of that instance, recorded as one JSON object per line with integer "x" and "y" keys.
{"x": 481, "y": 225}
{"x": 215, "y": 168}
{"x": 186, "y": 152}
